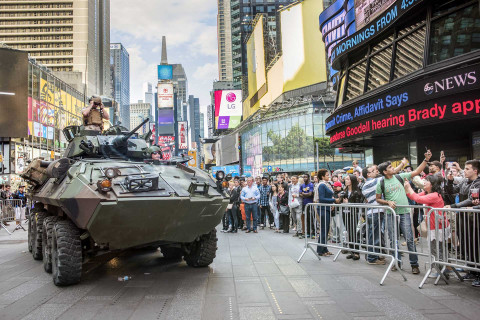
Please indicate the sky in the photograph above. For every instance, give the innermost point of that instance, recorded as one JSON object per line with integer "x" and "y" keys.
{"x": 191, "y": 30}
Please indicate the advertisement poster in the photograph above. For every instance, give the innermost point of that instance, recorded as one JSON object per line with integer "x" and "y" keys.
{"x": 165, "y": 95}
{"x": 228, "y": 109}
{"x": 210, "y": 154}
{"x": 182, "y": 135}
{"x": 165, "y": 140}
{"x": 233, "y": 170}
{"x": 193, "y": 162}
{"x": 367, "y": 10}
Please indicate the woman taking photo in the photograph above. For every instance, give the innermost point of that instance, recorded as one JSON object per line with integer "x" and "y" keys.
{"x": 273, "y": 200}
{"x": 353, "y": 194}
{"x": 282, "y": 205}
{"x": 432, "y": 197}
{"x": 325, "y": 196}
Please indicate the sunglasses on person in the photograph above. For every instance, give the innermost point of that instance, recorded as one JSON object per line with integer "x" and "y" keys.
{"x": 155, "y": 152}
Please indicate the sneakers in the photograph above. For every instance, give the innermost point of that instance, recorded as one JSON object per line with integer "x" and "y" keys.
{"x": 296, "y": 234}
{"x": 377, "y": 262}
{"x": 476, "y": 283}
{"x": 415, "y": 270}
{"x": 356, "y": 256}
{"x": 350, "y": 256}
{"x": 469, "y": 277}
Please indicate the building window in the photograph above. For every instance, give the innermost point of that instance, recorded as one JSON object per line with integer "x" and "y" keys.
{"x": 379, "y": 72}
{"x": 455, "y": 33}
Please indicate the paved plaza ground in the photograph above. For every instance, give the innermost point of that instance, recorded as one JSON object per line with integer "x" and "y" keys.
{"x": 254, "y": 276}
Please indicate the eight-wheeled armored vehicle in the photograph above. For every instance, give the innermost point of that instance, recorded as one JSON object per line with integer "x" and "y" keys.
{"x": 107, "y": 193}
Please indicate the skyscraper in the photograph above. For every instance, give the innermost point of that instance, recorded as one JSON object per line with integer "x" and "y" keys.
{"x": 148, "y": 92}
{"x": 224, "y": 35}
{"x": 242, "y": 14}
{"x": 194, "y": 119}
{"x": 70, "y": 37}
{"x": 202, "y": 125}
{"x": 138, "y": 113}
{"x": 120, "y": 70}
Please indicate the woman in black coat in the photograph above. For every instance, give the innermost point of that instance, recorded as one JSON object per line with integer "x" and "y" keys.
{"x": 353, "y": 194}
{"x": 283, "y": 204}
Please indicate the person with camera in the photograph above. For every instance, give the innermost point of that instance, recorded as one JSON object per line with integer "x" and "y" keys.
{"x": 325, "y": 196}
{"x": 468, "y": 230}
{"x": 391, "y": 192}
{"x": 94, "y": 114}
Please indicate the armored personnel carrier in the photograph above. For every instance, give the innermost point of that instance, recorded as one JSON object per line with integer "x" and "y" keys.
{"x": 107, "y": 194}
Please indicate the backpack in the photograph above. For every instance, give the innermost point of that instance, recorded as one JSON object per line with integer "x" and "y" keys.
{"x": 382, "y": 183}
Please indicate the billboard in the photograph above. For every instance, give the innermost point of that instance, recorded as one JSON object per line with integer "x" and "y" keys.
{"x": 165, "y": 95}
{"x": 228, "y": 109}
{"x": 165, "y": 121}
{"x": 210, "y": 154}
{"x": 165, "y": 72}
{"x": 256, "y": 62}
{"x": 367, "y": 10}
{"x": 13, "y": 93}
{"x": 304, "y": 61}
{"x": 182, "y": 135}
{"x": 165, "y": 140}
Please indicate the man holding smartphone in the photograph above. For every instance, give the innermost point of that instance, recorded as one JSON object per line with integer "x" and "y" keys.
{"x": 94, "y": 114}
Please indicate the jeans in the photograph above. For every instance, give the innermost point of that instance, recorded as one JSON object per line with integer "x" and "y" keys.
{"x": 276, "y": 218}
{"x": 406, "y": 229}
{"x": 374, "y": 234}
{"x": 324, "y": 228}
{"x": 297, "y": 216}
{"x": 251, "y": 209}
{"x": 338, "y": 228}
{"x": 266, "y": 213}
{"x": 233, "y": 217}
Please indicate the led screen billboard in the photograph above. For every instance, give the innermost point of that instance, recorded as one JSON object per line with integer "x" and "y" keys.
{"x": 165, "y": 121}
{"x": 228, "y": 109}
{"x": 165, "y": 72}
{"x": 13, "y": 93}
{"x": 165, "y": 95}
{"x": 367, "y": 10}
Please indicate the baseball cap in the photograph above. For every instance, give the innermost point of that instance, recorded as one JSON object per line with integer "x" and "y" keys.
{"x": 337, "y": 184}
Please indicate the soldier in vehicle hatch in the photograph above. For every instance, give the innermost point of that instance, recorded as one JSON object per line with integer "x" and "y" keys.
{"x": 94, "y": 114}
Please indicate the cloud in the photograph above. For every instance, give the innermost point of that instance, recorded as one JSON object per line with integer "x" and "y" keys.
{"x": 140, "y": 71}
{"x": 181, "y": 21}
{"x": 207, "y": 72}
{"x": 190, "y": 28}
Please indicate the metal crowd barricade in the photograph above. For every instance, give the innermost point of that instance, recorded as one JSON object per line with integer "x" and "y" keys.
{"x": 375, "y": 243}
{"x": 454, "y": 241}
{"x": 12, "y": 210}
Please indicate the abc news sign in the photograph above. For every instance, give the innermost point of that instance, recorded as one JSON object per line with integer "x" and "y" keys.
{"x": 416, "y": 91}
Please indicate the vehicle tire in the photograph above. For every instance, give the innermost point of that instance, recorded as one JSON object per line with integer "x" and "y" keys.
{"x": 171, "y": 252}
{"x": 30, "y": 231}
{"x": 48, "y": 224}
{"x": 66, "y": 253}
{"x": 201, "y": 253}
{"x": 37, "y": 236}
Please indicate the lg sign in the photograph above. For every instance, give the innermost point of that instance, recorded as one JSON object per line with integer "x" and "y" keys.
{"x": 457, "y": 81}
{"x": 231, "y": 97}
{"x": 228, "y": 109}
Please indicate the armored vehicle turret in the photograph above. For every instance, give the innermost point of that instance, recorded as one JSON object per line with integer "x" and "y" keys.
{"x": 107, "y": 193}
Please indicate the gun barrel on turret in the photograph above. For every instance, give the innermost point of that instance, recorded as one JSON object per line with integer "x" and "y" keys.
{"x": 121, "y": 141}
{"x": 128, "y": 135}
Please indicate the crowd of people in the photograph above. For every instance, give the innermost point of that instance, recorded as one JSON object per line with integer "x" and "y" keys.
{"x": 280, "y": 202}
{"x": 18, "y": 206}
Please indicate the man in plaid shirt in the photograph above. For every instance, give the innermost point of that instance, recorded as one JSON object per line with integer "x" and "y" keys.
{"x": 263, "y": 203}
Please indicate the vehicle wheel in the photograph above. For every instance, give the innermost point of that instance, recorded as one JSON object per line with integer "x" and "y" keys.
{"x": 48, "y": 224}
{"x": 202, "y": 252}
{"x": 172, "y": 252}
{"x": 30, "y": 231}
{"x": 66, "y": 253}
{"x": 37, "y": 236}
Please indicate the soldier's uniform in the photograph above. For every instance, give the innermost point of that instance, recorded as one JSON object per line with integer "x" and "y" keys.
{"x": 94, "y": 120}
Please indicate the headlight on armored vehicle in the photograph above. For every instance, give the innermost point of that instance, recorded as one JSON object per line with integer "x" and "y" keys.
{"x": 220, "y": 175}
{"x": 104, "y": 185}
{"x": 111, "y": 173}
